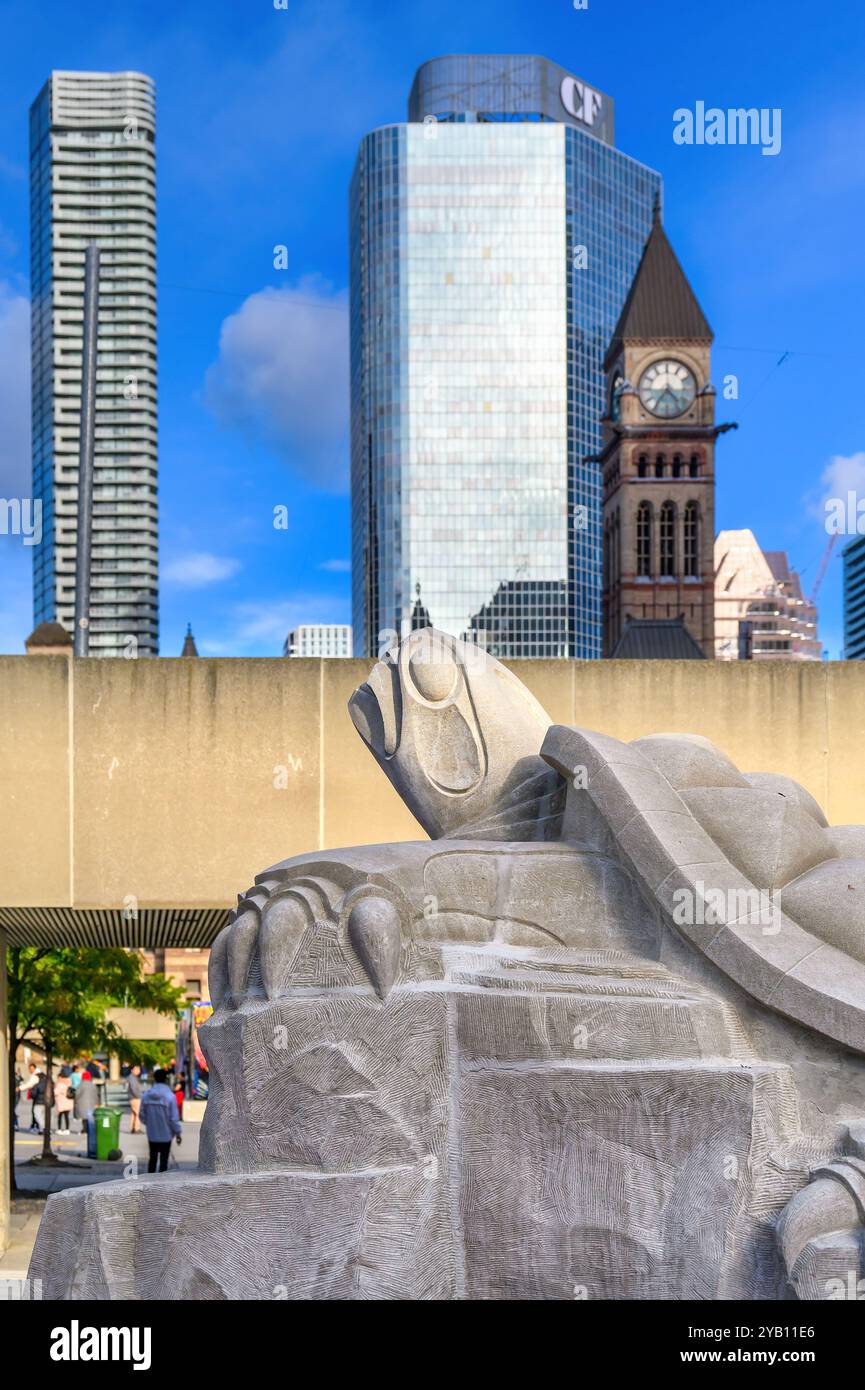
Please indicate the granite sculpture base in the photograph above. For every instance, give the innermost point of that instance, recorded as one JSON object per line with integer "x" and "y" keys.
{"x": 503, "y": 1063}
{"x": 462, "y": 1140}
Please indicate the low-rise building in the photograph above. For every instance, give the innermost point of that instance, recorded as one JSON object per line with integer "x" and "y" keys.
{"x": 319, "y": 639}
{"x": 761, "y": 613}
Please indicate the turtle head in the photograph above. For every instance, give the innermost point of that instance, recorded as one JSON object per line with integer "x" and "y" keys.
{"x": 459, "y": 736}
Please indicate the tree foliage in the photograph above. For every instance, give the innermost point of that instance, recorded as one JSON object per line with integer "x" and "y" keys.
{"x": 61, "y": 996}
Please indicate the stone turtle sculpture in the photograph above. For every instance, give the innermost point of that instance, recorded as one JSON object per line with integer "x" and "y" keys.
{"x": 588, "y": 1041}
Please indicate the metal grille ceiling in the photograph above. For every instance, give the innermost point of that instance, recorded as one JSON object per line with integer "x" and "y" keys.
{"x": 150, "y": 927}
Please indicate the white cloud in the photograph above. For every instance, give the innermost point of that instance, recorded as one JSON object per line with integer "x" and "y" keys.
{"x": 843, "y": 474}
{"x": 199, "y": 568}
{"x": 336, "y": 566}
{"x": 15, "y": 478}
{"x": 282, "y": 377}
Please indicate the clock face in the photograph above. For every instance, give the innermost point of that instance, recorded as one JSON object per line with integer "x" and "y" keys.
{"x": 667, "y": 388}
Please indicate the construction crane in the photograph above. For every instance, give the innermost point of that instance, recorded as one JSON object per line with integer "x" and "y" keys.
{"x": 824, "y": 565}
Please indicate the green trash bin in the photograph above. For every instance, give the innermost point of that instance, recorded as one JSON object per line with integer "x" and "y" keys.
{"x": 107, "y": 1123}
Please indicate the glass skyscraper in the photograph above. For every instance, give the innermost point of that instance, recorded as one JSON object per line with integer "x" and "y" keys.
{"x": 854, "y": 599}
{"x": 494, "y": 236}
{"x": 93, "y": 182}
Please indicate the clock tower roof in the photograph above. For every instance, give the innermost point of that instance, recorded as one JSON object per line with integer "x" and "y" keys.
{"x": 660, "y": 303}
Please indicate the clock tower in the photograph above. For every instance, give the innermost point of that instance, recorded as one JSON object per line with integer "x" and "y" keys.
{"x": 658, "y": 461}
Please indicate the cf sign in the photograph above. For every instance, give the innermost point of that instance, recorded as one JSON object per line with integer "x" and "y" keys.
{"x": 579, "y": 100}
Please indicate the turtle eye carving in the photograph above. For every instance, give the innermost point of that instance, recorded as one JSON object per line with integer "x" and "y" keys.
{"x": 434, "y": 675}
{"x": 447, "y": 749}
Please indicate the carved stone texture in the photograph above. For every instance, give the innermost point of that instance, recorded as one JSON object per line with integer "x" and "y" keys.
{"x": 178, "y": 1236}
{"x": 459, "y": 737}
{"x": 495, "y": 1134}
{"x": 464, "y": 1068}
{"x": 822, "y": 1233}
{"x": 787, "y": 921}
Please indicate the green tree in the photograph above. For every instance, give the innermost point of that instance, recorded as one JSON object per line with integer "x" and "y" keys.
{"x": 61, "y": 996}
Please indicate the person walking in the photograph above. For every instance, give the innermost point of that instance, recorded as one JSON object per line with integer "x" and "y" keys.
{"x": 159, "y": 1113}
{"x": 86, "y": 1100}
{"x": 31, "y": 1084}
{"x": 99, "y": 1077}
{"x": 74, "y": 1078}
{"x": 134, "y": 1091}
{"x": 19, "y": 1086}
{"x": 63, "y": 1100}
{"x": 180, "y": 1093}
{"x": 37, "y": 1095}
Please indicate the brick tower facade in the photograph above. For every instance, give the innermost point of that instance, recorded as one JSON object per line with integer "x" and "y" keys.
{"x": 658, "y": 460}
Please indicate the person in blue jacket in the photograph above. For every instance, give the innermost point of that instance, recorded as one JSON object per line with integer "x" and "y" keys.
{"x": 159, "y": 1113}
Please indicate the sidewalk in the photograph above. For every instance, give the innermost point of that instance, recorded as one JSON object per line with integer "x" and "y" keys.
{"x": 36, "y": 1184}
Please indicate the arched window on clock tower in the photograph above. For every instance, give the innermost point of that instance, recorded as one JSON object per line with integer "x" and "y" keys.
{"x": 644, "y": 540}
{"x": 691, "y": 541}
{"x": 668, "y": 541}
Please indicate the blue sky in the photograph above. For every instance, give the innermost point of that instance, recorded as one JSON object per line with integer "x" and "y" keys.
{"x": 259, "y": 116}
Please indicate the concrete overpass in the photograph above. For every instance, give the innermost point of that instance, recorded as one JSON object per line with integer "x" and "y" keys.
{"x": 138, "y": 797}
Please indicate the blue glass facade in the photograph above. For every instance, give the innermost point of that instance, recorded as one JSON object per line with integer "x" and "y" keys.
{"x": 854, "y": 600}
{"x": 491, "y": 252}
{"x": 610, "y": 201}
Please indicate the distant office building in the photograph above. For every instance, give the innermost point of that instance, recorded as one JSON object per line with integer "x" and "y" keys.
{"x": 494, "y": 236}
{"x": 854, "y": 600}
{"x": 185, "y": 967}
{"x": 761, "y": 613}
{"x": 319, "y": 639}
{"x": 93, "y": 182}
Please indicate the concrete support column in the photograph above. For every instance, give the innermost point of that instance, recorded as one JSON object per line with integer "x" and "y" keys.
{"x": 6, "y": 1157}
{"x": 113, "y": 1067}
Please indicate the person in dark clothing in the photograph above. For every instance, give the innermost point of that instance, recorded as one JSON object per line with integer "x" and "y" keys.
{"x": 37, "y": 1095}
{"x": 159, "y": 1113}
{"x": 134, "y": 1090}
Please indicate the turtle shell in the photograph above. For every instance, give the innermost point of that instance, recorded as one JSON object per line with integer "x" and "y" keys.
{"x": 744, "y": 866}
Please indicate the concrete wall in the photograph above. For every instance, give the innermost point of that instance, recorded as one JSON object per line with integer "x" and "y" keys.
{"x": 176, "y": 781}
{"x": 144, "y": 1023}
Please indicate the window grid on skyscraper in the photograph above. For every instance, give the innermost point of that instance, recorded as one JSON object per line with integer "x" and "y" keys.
{"x": 93, "y": 182}
{"x": 476, "y": 369}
